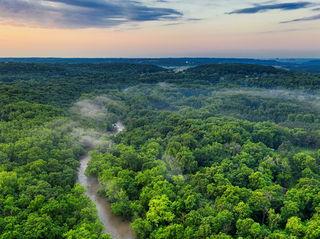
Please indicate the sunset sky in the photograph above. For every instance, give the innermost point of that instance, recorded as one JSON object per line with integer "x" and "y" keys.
{"x": 159, "y": 28}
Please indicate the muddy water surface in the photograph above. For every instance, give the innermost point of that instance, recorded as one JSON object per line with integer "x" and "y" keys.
{"x": 113, "y": 225}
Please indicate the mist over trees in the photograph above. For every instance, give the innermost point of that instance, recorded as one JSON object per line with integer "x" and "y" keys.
{"x": 216, "y": 151}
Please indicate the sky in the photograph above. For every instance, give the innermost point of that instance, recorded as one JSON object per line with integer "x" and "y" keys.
{"x": 160, "y": 28}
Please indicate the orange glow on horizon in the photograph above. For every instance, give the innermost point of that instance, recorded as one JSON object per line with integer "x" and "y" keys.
{"x": 151, "y": 42}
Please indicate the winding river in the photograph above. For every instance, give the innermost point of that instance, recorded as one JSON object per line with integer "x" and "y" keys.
{"x": 113, "y": 225}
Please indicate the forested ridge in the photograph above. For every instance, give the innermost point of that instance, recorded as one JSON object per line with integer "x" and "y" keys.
{"x": 216, "y": 151}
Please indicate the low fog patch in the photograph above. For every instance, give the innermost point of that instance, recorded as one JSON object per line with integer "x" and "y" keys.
{"x": 296, "y": 95}
{"x": 100, "y": 112}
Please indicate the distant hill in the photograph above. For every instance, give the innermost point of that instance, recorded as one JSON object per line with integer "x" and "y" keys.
{"x": 235, "y": 68}
{"x": 56, "y": 69}
{"x": 309, "y": 65}
{"x": 249, "y": 75}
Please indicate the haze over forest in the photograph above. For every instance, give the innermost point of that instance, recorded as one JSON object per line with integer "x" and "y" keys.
{"x": 159, "y": 119}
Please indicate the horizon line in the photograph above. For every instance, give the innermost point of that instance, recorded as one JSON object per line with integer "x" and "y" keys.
{"x": 165, "y": 57}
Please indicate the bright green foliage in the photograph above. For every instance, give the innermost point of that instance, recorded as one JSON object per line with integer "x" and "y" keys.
{"x": 39, "y": 197}
{"x": 204, "y": 153}
{"x": 225, "y": 183}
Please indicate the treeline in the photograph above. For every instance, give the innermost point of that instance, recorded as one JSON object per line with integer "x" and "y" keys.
{"x": 61, "y": 85}
{"x": 90, "y": 77}
{"x": 24, "y": 68}
{"x": 252, "y": 76}
{"x": 236, "y": 69}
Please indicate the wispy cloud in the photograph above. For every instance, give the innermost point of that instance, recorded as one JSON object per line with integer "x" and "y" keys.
{"x": 286, "y": 30}
{"x": 82, "y": 13}
{"x": 257, "y": 8}
{"x": 304, "y": 19}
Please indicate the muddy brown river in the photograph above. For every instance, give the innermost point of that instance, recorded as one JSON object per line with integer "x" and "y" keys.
{"x": 116, "y": 227}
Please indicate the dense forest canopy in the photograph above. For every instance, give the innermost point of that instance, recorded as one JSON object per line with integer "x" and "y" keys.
{"x": 307, "y": 65}
{"x": 215, "y": 151}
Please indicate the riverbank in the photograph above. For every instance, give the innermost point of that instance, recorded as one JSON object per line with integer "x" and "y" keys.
{"x": 113, "y": 225}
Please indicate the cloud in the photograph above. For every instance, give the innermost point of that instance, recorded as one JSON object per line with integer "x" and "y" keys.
{"x": 82, "y": 13}
{"x": 304, "y": 19}
{"x": 287, "y": 30}
{"x": 257, "y": 8}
